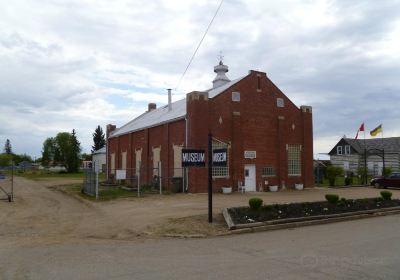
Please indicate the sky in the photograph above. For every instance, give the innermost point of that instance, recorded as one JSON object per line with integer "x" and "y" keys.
{"x": 77, "y": 64}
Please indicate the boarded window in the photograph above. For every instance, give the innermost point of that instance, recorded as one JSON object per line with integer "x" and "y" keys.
{"x": 280, "y": 103}
{"x": 294, "y": 159}
{"x": 112, "y": 171}
{"x": 138, "y": 159}
{"x": 156, "y": 160}
{"x": 236, "y": 96}
{"x": 178, "y": 160}
{"x": 123, "y": 160}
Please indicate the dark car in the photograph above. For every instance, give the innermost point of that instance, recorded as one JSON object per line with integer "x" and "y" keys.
{"x": 390, "y": 181}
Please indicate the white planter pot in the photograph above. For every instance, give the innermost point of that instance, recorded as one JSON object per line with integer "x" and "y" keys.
{"x": 273, "y": 188}
{"x": 226, "y": 190}
{"x": 299, "y": 187}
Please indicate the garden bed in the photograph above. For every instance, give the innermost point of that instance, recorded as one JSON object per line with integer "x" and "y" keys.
{"x": 241, "y": 217}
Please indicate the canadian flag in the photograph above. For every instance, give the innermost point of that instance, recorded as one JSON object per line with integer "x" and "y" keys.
{"x": 360, "y": 129}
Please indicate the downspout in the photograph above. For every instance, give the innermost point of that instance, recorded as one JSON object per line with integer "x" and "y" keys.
{"x": 186, "y": 173}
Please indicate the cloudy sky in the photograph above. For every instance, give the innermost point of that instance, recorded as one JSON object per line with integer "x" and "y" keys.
{"x": 82, "y": 63}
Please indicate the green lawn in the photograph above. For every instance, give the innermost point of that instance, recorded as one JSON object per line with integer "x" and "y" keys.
{"x": 43, "y": 174}
{"x": 340, "y": 181}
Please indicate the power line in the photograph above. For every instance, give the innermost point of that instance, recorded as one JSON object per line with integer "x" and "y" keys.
{"x": 198, "y": 46}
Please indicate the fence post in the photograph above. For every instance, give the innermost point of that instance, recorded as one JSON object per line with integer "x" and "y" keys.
{"x": 97, "y": 184}
{"x": 138, "y": 179}
{"x": 12, "y": 181}
{"x": 159, "y": 176}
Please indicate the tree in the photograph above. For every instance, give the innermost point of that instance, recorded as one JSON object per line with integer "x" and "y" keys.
{"x": 7, "y": 147}
{"x": 63, "y": 149}
{"x": 332, "y": 172}
{"x": 99, "y": 139}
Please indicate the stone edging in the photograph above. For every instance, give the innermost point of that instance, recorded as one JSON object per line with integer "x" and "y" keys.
{"x": 305, "y": 221}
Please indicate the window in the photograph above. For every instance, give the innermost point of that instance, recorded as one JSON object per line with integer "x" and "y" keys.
{"x": 346, "y": 166}
{"x": 156, "y": 160}
{"x": 123, "y": 160}
{"x": 258, "y": 83}
{"x": 339, "y": 150}
{"x": 112, "y": 171}
{"x": 267, "y": 171}
{"x": 294, "y": 159}
{"x": 177, "y": 160}
{"x": 347, "y": 150}
{"x": 236, "y": 96}
{"x": 220, "y": 171}
{"x": 280, "y": 103}
{"x": 138, "y": 156}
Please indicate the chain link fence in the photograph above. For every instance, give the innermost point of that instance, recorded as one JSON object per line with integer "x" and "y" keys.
{"x": 7, "y": 183}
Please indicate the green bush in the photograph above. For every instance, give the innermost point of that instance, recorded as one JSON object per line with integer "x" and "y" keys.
{"x": 348, "y": 181}
{"x": 332, "y": 172}
{"x": 386, "y": 171}
{"x": 255, "y": 203}
{"x": 332, "y": 198}
{"x": 386, "y": 195}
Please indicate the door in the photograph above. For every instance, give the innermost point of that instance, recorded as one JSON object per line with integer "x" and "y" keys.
{"x": 250, "y": 178}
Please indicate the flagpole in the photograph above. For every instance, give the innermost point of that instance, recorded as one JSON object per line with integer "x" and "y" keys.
{"x": 365, "y": 159}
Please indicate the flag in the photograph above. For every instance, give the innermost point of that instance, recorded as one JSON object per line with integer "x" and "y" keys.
{"x": 360, "y": 129}
{"x": 376, "y": 130}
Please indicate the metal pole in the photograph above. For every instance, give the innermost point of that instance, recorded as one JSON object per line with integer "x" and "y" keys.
{"x": 383, "y": 162}
{"x": 138, "y": 182}
{"x": 159, "y": 176}
{"x": 210, "y": 219}
{"x": 365, "y": 167}
{"x": 96, "y": 169}
{"x": 12, "y": 181}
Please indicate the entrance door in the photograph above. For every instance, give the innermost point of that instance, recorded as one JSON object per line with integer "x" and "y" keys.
{"x": 250, "y": 177}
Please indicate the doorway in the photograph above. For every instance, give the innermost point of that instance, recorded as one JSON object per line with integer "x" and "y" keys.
{"x": 250, "y": 177}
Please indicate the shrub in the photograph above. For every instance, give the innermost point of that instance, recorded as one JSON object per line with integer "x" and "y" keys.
{"x": 332, "y": 198}
{"x": 386, "y": 195}
{"x": 332, "y": 172}
{"x": 386, "y": 171}
{"x": 348, "y": 181}
{"x": 255, "y": 203}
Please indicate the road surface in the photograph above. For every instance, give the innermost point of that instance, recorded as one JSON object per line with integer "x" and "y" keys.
{"x": 361, "y": 249}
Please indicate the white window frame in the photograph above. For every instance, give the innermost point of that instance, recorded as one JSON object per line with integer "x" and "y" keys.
{"x": 138, "y": 159}
{"x": 294, "y": 159}
{"x": 339, "y": 150}
{"x": 221, "y": 171}
{"x": 347, "y": 150}
{"x": 156, "y": 160}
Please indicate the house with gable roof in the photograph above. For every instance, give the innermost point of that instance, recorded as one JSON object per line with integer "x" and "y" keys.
{"x": 269, "y": 139}
{"x": 350, "y": 154}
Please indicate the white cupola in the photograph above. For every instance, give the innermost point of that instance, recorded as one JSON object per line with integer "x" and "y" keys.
{"x": 221, "y": 78}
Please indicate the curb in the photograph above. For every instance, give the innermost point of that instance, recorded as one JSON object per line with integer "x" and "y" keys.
{"x": 262, "y": 226}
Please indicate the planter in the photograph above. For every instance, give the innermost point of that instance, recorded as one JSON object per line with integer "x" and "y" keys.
{"x": 299, "y": 187}
{"x": 273, "y": 188}
{"x": 226, "y": 190}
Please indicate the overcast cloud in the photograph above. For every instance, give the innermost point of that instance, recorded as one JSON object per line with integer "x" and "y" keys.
{"x": 77, "y": 64}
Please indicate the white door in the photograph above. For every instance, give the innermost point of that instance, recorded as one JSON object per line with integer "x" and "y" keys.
{"x": 250, "y": 178}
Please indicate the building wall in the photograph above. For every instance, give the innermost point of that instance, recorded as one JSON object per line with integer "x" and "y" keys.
{"x": 255, "y": 123}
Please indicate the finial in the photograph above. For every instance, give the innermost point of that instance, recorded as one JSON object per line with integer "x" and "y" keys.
{"x": 220, "y": 57}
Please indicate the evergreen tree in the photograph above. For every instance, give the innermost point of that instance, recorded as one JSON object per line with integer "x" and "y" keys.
{"x": 74, "y": 154}
{"x": 7, "y": 147}
{"x": 99, "y": 139}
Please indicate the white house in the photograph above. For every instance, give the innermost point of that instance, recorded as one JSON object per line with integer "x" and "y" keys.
{"x": 99, "y": 159}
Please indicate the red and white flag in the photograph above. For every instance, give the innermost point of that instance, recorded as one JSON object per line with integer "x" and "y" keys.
{"x": 360, "y": 129}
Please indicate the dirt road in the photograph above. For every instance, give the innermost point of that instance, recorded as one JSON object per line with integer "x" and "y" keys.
{"x": 42, "y": 213}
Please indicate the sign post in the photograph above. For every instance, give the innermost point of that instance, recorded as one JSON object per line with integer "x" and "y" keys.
{"x": 210, "y": 162}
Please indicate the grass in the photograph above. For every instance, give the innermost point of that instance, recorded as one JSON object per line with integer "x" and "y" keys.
{"x": 340, "y": 181}
{"x": 44, "y": 174}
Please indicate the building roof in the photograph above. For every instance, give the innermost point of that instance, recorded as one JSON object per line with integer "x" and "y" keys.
{"x": 100, "y": 151}
{"x": 389, "y": 144}
{"x": 162, "y": 115}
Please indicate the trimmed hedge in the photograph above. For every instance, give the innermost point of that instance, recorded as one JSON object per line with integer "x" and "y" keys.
{"x": 255, "y": 203}
{"x": 386, "y": 195}
{"x": 332, "y": 198}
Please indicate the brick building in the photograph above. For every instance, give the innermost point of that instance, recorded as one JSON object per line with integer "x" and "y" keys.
{"x": 269, "y": 139}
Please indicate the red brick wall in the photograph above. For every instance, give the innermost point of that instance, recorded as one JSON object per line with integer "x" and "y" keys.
{"x": 255, "y": 123}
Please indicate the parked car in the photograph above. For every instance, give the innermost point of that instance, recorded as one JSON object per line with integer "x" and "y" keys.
{"x": 390, "y": 181}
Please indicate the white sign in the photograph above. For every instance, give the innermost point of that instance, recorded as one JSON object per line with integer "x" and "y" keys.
{"x": 121, "y": 175}
{"x": 250, "y": 154}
